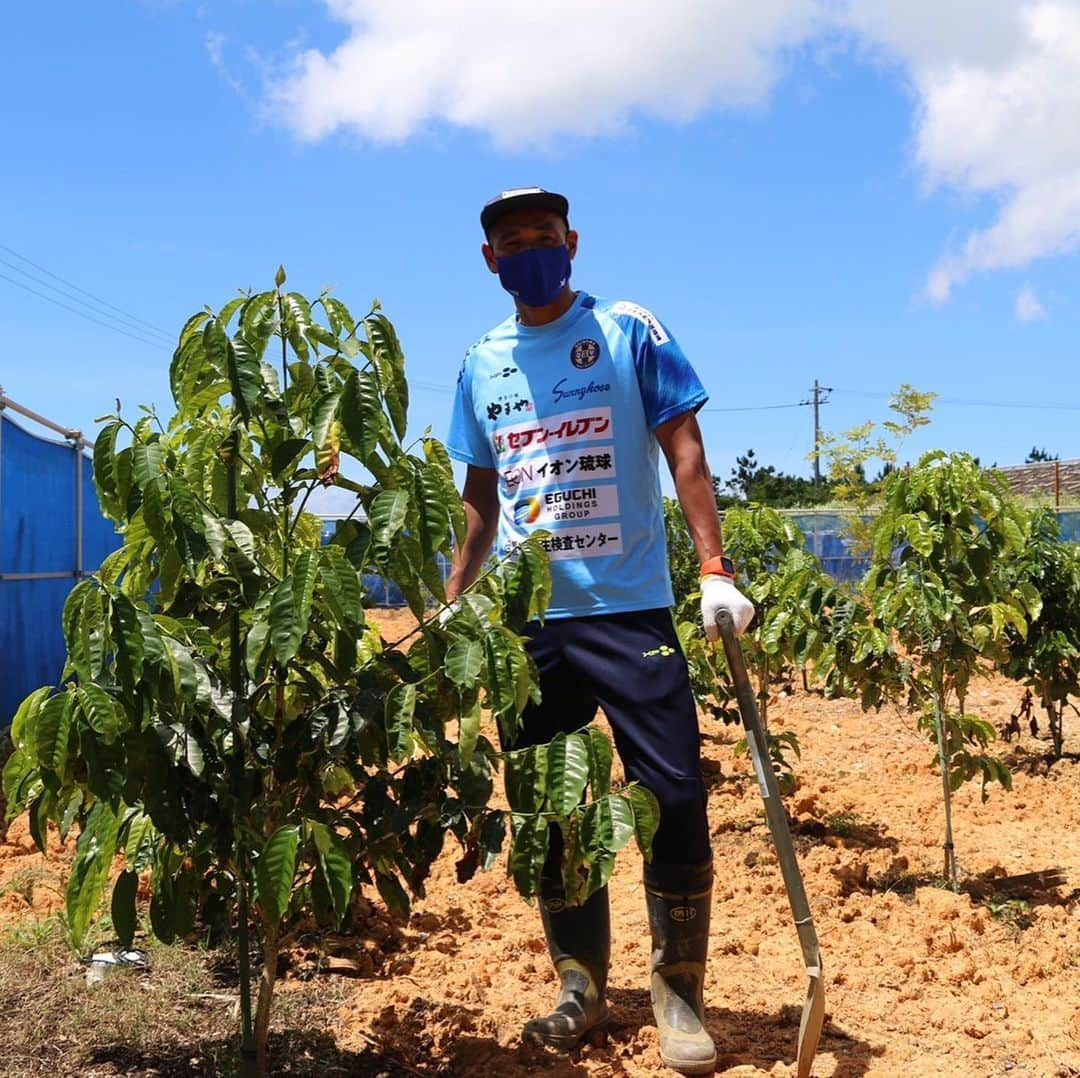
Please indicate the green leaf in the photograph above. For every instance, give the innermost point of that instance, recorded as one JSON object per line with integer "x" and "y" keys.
{"x": 40, "y": 810}
{"x": 101, "y": 710}
{"x": 388, "y": 514}
{"x": 568, "y": 772}
{"x": 526, "y": 778}
{"x": 224, "y": 316}
{"x": 140, "y": 838}
{"x": 90, "y": 870}
{"x": 216, "y": 346}
{"x": 606, "y": 826}
{"x": 275, "y": 871}
{"x": 464, "y": 661}
{"x": 338, "y": 315}
{"x": 105, "y": 470}
{"x": 286, "y": 632}
{"x": 468, "y": 730}
{"x": 341, "y": 588}
{"x": 26, "y": 715}
{"x": 70, "y": 621}
{"x": 361, "y": 414}
{"x": 285, "y": 456}
{"x": 390, "y": 364}
{"x": 185, "y": 676}
{"x": 52, "y": 733}
{"x": 305, "y": 573}
{"x": 255, "y": 645}
{"x": 245, "y": 375}
{"x": 646, "y": 817}
{"x": 156, "y": 513}
{"x": 124, "y": 918}
{"x": 215, "y": 534}
{"x": 393, "y": 894}
{"x": 600, "y": 757}
{"x": 528, "y": 582}
{"x": 147, "y": 463}
{"x": 323, "y": 417}
{"x": 528, "y": 852}
{"x": 21, "y": 781}
{"x": 399, "y": 710}
{"x": 335, "y": 863}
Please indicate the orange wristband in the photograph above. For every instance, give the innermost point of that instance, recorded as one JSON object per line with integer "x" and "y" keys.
{"x": 721, "y": 565}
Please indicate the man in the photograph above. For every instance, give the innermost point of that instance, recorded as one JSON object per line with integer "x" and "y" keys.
{"x": 560, "y": 413}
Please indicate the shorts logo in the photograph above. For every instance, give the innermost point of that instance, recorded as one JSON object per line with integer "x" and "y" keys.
{"x": 682, "y": 914}
{"x": 554, "y": 905}
{"x": 663, "y": 651}
{"x": 585, "y": 353}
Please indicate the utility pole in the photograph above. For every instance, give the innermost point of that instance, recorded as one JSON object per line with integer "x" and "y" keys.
{"x": 820, "y": 397}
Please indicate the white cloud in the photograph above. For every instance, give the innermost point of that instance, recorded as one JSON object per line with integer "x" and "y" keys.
{"x": 526, "y": 74}
{"x": 1028, "y": 307}
{"x": 998, "y": 115}
{"x": 215, "y": 49}
{"x": 995, "y": 86}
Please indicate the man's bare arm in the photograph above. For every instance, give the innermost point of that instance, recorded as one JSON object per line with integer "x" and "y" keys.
{"x": 680, "y": 439}
{"x": 480, "y": 496}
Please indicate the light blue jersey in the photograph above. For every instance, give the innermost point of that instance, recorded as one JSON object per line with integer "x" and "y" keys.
{"x": 565, "y": 413}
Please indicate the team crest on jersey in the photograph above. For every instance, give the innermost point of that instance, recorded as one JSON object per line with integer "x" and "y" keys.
{"x": 585, "y": 353}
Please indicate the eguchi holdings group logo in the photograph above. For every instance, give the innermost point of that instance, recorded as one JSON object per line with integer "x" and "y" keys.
{"x": 527, "y": 510}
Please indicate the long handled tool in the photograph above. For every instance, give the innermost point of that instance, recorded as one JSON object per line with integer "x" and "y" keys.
{"x": 813, "y": 1015}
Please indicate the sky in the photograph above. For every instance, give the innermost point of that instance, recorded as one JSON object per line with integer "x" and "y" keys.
{"x": 863, "y": 193}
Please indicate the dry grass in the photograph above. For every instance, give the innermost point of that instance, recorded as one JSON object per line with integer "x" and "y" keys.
{"x": 179, "y": 1018}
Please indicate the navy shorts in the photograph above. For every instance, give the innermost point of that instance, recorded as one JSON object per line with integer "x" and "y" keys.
{"x": 631, "y": 665}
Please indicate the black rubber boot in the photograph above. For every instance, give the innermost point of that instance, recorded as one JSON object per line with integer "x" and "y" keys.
{"x": 679, "y": 900}
{"x": 579, "y": 940}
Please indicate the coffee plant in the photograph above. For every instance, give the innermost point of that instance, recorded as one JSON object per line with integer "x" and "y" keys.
{"x": 792, "y": 598}
{"x": 1046, "y": 658}
{"x": 941, "y": 585}
{"x": 231, "y": 724}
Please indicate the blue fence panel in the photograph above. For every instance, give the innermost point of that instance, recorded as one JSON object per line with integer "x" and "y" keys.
{"x": 827, "y": 539}
{"x": 40, "y": 552}
{"x": 1069, "y": 519}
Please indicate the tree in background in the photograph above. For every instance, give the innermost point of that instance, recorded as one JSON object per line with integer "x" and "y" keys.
{"x": 1038, "y": 456}
{"x": 847, "y": 455}
{"x": 757, "y": 484}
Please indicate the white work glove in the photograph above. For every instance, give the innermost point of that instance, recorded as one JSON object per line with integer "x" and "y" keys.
{"x": 448, "y": 612}
{"x": 719, "y": 593}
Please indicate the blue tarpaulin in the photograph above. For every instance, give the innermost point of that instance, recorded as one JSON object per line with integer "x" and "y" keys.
{"x": 42, "y": 553}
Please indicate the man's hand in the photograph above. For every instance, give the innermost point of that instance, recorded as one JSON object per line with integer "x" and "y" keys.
{"x": 719, "y": 593}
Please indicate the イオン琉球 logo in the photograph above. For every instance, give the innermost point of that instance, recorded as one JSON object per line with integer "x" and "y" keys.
{"x": 527, "y": 510}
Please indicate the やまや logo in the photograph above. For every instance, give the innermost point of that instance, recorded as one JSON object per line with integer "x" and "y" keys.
{"x": 585, "y": 353}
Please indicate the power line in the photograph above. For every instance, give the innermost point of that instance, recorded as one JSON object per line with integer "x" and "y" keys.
{"x": 758, "y": 407}
{"x": 97, "y": 299}
{"x": 432, "y": 387}
{"x": 127, "y": 323}
{"x": 82, "y": 314}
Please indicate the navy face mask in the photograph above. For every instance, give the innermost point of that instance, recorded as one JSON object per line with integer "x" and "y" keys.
{"x": 536, "y": 275}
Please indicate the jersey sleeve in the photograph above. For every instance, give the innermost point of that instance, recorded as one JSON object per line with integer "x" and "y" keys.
{"x": 669, "y": 384}
{"x": 466, "y": 441}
